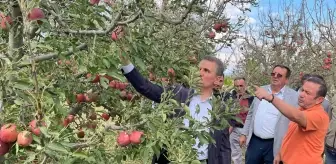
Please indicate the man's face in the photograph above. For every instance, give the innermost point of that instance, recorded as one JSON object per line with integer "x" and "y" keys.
{"x": 208, "y": 74}
{"x": 278, "y": 77}
{"x": 308, "y": 95}
{"x": 240, "y": 86}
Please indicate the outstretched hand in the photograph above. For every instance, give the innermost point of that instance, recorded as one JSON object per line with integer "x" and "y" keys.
{"x": 123, "y": 56}
{"x": 261, "y": 93}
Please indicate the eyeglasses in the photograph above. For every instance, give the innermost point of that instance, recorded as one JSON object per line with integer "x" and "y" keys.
{"x": 277, "y": 75}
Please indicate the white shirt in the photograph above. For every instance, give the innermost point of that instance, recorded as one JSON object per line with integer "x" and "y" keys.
{"x": 266, "y": 117}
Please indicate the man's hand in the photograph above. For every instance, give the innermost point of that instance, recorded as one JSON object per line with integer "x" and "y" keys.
{"x": 123, "y": 56}
{"x": 242, "y": 140}
{"x": 277, "y": 159}
{"x": 261, "y": 93}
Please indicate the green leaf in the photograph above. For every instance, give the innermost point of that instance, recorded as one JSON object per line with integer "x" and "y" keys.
{"x": 202, "y": 139}
{"x": 23, "y": 85}
{"x": 106, "y": 63}
{"x": 57, "y": 147}
{"x": 115, "y": 75}
{"x": 140, "y": 63}
{"x": 44, "y": 131}
{"x": 80, "y": 155}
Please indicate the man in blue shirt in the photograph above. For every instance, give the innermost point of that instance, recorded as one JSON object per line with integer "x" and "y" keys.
{"x": 211, "y": 73}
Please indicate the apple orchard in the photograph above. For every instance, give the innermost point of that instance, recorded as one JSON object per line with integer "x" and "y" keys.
{"x": 64, "y": 98}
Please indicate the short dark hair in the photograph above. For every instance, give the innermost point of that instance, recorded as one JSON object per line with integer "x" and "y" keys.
{"x": 288, "y": 73}
{"x": 219, "y": 63}
{"x": 306, "y": 76}
{"x": 318, "y": 80}
{"x": 239, "y": 78}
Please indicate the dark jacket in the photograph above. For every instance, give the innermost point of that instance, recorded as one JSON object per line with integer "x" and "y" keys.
{"x": 233, "y": 95}
{"x": 219, "y": 153}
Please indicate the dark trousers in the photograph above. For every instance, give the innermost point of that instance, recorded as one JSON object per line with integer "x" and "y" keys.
{"x": 259, "y": 151}
{"x": 163, "y": 160}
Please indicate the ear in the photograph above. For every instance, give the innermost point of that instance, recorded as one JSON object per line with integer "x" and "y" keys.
{"x": 319, "y": 100}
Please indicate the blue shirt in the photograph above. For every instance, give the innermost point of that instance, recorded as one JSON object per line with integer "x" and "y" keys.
{"x": 195, "y": 102}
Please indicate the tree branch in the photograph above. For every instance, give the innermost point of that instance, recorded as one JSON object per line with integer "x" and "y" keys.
{"x": 37, "y": 59}
{"x": 130, "y": 20}
{"x": 176, "y": 21}
{"x": 95, "y": 32}
{"x": 125, "y": 127}
{"x": 15, "y": 42}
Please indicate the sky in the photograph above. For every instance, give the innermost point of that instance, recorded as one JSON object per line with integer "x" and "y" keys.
{"x": 275, "y": 7}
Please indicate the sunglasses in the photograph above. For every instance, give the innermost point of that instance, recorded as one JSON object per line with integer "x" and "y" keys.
{"x": 277, "y": 75}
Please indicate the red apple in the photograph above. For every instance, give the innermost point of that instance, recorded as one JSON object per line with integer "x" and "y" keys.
{"x": 129, "y": 96}
{"x": 108, "y": 77}
{"x": 68, "y": 62}
{"x": 96, "y": 79}
{"x": 112, "y": 84}
{"x": 5, "y": 21}
{"x": 114, "y": 36}
{"x": 36, "y": 14}
{"x": 80, "y": 98}
{"x": 135, "y": 137}
{"x": 171, "y": 72}
{"x": 327, "y": 60}
{"x": 71, "y": 118}
{"x": 8, "y": 133}
{"x": 35, "y": 128}
{"x": 328, "y": 54}
{"x": 105, "y": 116}
{"x": 65, "y": 122}
{"x": 24, "y": 138}
{"x": 123, "y": 139}
{"x": 217, "y": 27}
{"x": 94, "y": 2}
{"x": 80, "y": 134}
{"x": 93, "y": 116}
{"x": 4, "y": 148}
{"x": 211, "y": 35}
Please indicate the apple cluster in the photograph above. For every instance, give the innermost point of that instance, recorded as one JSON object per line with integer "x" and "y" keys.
{"x": 36, "y": 14}
{"x": 124, "y": 139}
{"x": 327, "y": 62}
{"x": 9, "y": 134}
{"x": 219, "y": 27}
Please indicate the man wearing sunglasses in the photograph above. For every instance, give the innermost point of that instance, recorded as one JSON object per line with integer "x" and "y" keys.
{"x": 265, "y": 126}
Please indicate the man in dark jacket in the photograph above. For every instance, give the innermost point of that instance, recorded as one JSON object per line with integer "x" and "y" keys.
{"x": 211, "y": 72}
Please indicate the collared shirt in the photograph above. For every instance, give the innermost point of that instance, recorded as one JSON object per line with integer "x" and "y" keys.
{"x": 195, "y": 103}
{"x": 306, "y": 144}
{"x": 267, "y": 117}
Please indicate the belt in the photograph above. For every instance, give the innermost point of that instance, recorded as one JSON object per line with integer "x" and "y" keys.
{"x": 330, "y": 148}
{"x": 267, "y": 139}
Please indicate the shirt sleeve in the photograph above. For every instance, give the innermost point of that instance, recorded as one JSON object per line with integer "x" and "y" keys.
{"x": 127, "y": 68}
{"x": 315, "y": 120}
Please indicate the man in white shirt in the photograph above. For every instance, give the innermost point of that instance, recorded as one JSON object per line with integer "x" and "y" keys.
{"x": 265, "y": 126}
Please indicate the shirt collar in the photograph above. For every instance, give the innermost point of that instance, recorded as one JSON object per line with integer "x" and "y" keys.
{"x": 282, "y": 90}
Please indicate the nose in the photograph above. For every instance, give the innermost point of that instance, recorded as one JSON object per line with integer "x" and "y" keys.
{"x": 201, "y": 72}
